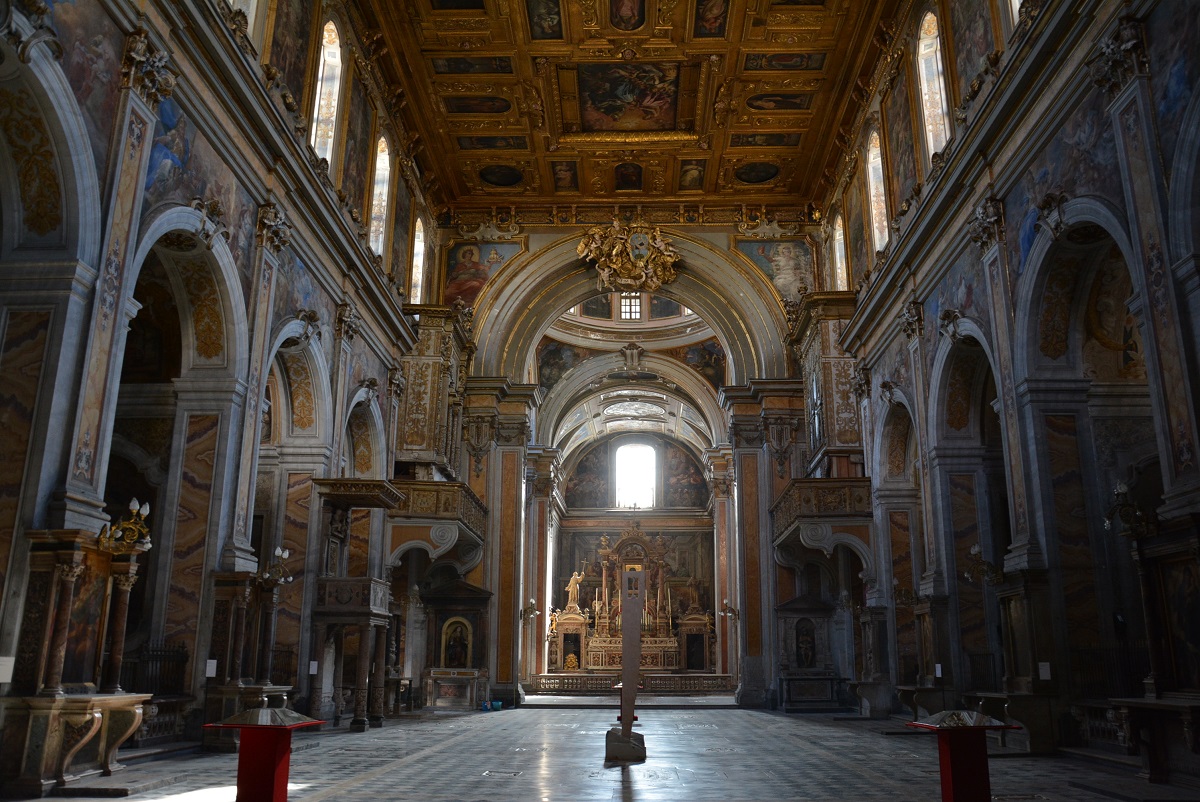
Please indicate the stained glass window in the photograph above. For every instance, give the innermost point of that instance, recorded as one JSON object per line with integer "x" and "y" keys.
{"x": 379, "y": 195}
{"x": 933, "y": 84}
{"x": 876, "y": 192}
{"x": 418, "y": 263}
{"x": 840, "y": 281}
{"x": 329, "y": 87}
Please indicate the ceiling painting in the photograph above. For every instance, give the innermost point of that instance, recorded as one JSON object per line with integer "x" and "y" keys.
{"x": 602, "y": 99}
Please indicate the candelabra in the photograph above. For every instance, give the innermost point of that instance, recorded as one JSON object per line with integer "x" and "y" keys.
{"x": 529, "y": 611}
{"x": 727, "y": 610}
{"x": 1137, "y": 523}
{"x": 978, "y": 568}
{"x": 276, "y": 573}
{"x": 130, "y": 534}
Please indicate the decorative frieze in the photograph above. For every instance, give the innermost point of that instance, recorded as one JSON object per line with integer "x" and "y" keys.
{"x": 1119, "y": 57}
{"x": 985, "y": 226}
{"x": 144, "y": 69}
{"x": 912, "y": 319}
{"x": 274, "y": 233}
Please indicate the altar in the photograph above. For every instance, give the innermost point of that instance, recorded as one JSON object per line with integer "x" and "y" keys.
{"x": 676, "y": 633}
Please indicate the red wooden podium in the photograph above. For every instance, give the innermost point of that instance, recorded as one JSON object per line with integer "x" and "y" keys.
{"x": 962, "y": 752}
{"x": 265, "y": 750}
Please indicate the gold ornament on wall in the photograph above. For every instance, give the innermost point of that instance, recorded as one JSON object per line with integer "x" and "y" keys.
{"x": 132, "y": 534}
{"x": 629, "y": 258}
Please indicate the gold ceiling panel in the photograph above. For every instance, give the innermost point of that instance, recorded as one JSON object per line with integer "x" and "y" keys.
{"x": 643, "y": 101}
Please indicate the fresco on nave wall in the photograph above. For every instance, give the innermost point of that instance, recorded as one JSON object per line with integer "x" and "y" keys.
{"x": 706, "y": 358}
{"x": 1080, "y": 160}
{"x": 963, "y": 288}
{"x": 296, "y": 290}
{"x": 787, "y": 263}
{"x": 555, "y": 358}
{"x": 92, "y": 62}
{"x": 1112, "y": 341}
{"x": 470, "y": 264}
{"x": 184, "y": 166}
{"x": 1173, "y": 47}
{"x": 974, "y": 39}
{"x": 290, "y": 43}
{"x": 902, "y": 158}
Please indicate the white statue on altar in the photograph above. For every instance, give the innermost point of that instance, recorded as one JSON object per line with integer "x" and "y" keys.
{"x": 573, "y": 592}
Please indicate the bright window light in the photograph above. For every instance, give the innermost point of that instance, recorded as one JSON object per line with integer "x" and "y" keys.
{"x": 635, "y": 476}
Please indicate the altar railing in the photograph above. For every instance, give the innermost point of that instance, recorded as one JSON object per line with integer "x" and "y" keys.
{"x": 651, "y": 683}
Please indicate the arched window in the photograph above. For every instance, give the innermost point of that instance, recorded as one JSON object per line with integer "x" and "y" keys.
{"x": 841, "y": 281}
{"x": 380, "y": 193}
{"x": 876, "y": 193}
{"x": 417, "y": 280}
{"x": 635, "y": 475}
{"x": 933, "y": 85}
{"x": 329, "y": 88}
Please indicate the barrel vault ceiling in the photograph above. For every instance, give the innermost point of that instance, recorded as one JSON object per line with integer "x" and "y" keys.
{"x": 628, "y": 101}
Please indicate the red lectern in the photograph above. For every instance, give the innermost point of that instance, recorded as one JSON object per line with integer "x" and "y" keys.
{"x": 962, "y": 752}
{"x": 265, "y": 752}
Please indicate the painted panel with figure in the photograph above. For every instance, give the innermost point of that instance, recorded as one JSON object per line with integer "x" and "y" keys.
{"x": 971, "y": 21}
{"x": 493, "y": 142}
{"x": 588, "y": 484}
{"x": 290, "y": 42}
{"x": 901, "y": 156}
{"x": 788, "y": 263}
{"x": 683, "y": 479}
{"x": 783, "y": 62}
{"x": 691, "y": 174}
{"x": 711, "y": 19}
{"x": 545, "y": 19}
{"x": 470, "y": 264}
{"x": 775, "y": 140}
{"x": 628, "y": 97}
{"x": 357, "y": 153}
{"x": 566, "y": 176}
{"x": 856, "y": 232}
{"x": 627, "y": 15}
{"x": 472, "y": 65}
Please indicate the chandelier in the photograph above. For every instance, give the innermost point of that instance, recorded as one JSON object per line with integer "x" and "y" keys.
{"x": 629, "y": 258}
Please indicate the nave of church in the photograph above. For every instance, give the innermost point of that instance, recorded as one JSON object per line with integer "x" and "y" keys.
{"x": 353, "y": 352}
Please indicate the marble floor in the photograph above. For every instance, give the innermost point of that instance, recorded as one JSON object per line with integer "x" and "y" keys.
{"x": 694, "y": 753}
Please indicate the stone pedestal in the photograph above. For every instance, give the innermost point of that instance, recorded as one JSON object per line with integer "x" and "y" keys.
{"x": 875, "y": 698}
{"x": 63, "y": 738}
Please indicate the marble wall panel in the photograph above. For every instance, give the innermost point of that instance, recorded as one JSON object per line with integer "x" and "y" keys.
{"x": 191, "y": 531}
{"x": 1070, "y": 523}
{"x": 902, "y": 574}
{"x": 964, "y": 524}
{"x": 21, "y": 355}
{"x": 295, "y": 539}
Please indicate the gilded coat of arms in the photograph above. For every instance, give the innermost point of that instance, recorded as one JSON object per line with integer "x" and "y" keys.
{"x": 629, "y": 258}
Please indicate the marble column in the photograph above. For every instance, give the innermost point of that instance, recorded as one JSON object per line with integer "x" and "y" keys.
{"x": 122, "y": 585}
{"x": 66, "y": 574}
{"x": 359, "y": 723}
{"x": 380, "y": 676}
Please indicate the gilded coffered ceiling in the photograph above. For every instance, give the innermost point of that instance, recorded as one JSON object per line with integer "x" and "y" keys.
{"x": 628, "y": 101}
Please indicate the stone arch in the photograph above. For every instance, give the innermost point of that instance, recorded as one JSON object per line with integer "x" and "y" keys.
{"x": 213, "y": 289}
{"x": 293, "y": 346}
{"x": 575, "y": 384}
{"x": 1032, "y": 288}
{"x": 738, "y": 303}
{"x": 947, "y": 387}
{"x": 65, "y": 155}
{"x": 365, "y": 437}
